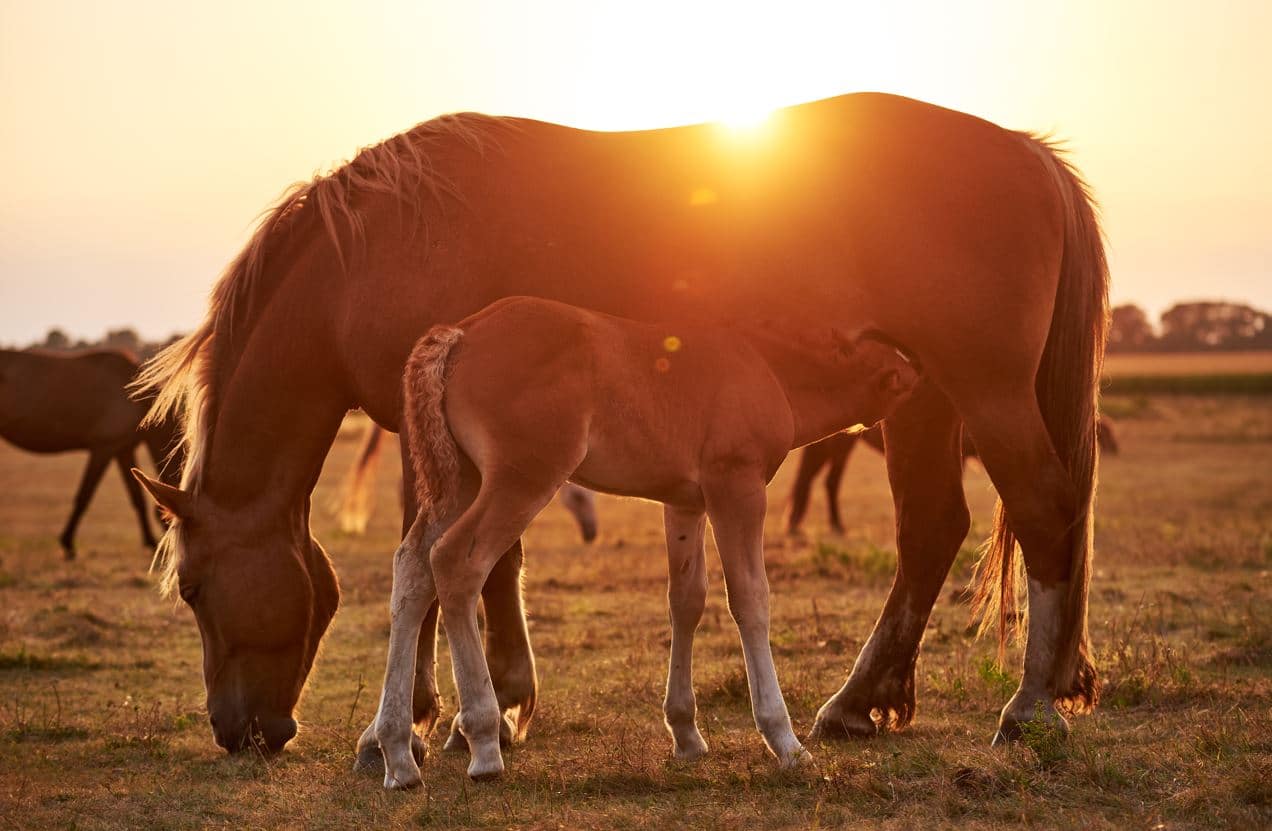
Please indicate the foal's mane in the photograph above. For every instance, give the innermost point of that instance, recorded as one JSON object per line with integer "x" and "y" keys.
{"x": 186, "y": 378}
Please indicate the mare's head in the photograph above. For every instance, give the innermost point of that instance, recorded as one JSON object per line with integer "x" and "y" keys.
{"x": 877, "y": 375}
{"x": 263, "y": 592}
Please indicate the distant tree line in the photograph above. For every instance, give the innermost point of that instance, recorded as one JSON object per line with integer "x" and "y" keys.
{"x": 125, "y": 339}
{"x": 1200, "y": 326}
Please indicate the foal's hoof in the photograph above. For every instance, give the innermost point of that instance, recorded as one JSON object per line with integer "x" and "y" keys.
{"x": 485, "y": 773}
{"x": 370, "y": 760}
{"x": 403, "y": 781}
{"x": 456, "y": 742}
{"x": 797, "y": 758}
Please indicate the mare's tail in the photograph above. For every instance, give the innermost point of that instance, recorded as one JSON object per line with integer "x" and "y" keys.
{"x": 1068, "y": 390}
{"x": 434, "y": 454}
{"x": 353, "y": 506}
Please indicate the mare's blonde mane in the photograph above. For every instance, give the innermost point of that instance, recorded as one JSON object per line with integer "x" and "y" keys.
{"x": 185, "y": 377}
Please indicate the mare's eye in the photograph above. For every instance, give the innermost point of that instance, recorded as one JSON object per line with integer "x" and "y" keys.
{"x": 189, "y": 594}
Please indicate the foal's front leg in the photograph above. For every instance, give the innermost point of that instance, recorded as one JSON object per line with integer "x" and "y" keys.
{"x": 686, "y": 597}
{"x": 736, "y": 504}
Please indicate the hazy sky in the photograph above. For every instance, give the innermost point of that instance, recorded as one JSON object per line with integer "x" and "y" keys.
{"x": 140, "y": 139}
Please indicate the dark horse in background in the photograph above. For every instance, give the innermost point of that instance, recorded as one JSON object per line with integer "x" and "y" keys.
{"x": 832, "y": 454}
{"x": 974, "y": 248}
{"x": 53, "y": 402}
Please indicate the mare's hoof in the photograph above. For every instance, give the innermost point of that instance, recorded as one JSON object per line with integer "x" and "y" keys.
{"x": 485, "y": 774}
{"x": 1011, "y": 730}
{"x": 843, "y": 725}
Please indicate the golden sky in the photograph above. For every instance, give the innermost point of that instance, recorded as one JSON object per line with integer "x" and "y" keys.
{"x": 140, "y": 138}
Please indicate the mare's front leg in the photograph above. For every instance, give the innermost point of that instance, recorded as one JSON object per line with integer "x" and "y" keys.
{"x": 686, "y": 598}
{"x": 736, "y": 504}
{"x": 413, "y": 594}
{"x": 925, "y": 470}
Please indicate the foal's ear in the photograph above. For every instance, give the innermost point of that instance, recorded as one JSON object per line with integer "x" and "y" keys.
{"x": 172, "y": 500}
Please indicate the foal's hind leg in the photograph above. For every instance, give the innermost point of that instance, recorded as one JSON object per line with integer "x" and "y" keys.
{"x": 508, "y": 651}
{"x": 925, "y": 470}
{"x": 126, "y": 460}
{"x": 1041, "y": 502}
{"x": 462, "y": 560}
{"x": 736, "y": 504}
{"x": 413, "y": 594}
{"x": 98, "y": 461}
{"x": 686, "y": 598}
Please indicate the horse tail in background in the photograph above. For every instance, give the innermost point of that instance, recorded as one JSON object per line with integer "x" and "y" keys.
{"x": 1068, "y": 391}
{"x": 353, "y": 506}
{"x": 434, "y": 454}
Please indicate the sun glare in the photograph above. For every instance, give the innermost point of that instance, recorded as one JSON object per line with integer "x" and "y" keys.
{"x": 747, "y": 119}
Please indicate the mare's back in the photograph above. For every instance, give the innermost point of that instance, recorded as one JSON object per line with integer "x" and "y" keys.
{"x": 50, "y": 402}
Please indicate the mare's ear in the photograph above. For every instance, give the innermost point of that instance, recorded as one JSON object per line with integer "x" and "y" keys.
{"x": 174, "y": 501}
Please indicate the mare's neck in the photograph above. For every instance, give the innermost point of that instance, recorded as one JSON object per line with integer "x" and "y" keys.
{"x": 810, "y": 377}
{"x": 276, "y": 415}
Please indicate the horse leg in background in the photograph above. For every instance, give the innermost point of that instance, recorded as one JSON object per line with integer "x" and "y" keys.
{"x": 686, "y": 599}
{"x": 811, "y": 460}
{"x": 463, "y": 562}
{"x": 581, "y": 503}
{"x": 840, "y": 448}
{"x": 98, "y": 461}
{"x": 925, "y": 471}
{"x": 391, "y": 733}
{"x": 1040, "y": 501}
{"x": 126, "y": 460}
{"x": 736, "y": 505}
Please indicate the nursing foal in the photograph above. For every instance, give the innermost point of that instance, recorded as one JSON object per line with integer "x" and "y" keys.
{"x": 527, "y": 394}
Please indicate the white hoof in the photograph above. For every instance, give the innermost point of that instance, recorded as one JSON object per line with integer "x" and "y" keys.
{"x": 797, "y": 758}
{"x": 692, "y": 748}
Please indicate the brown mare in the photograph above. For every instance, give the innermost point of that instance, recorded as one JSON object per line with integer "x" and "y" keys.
{"x": 353, "y": 506}
{"x": 699, "y": 422}
{"x": 52, "y": 402}
{"x": 832, "y": 453}
{"x": 975, "y": 247}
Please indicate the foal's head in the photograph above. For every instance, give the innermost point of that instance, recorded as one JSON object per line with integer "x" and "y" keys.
{"x": 877, "y": 376}
{"x": 263, "y": 592}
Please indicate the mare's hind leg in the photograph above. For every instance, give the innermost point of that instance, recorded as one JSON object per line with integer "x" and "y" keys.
{"x": 98, "y": 461}
{"x": 736, "y": 504}
{"x": 126, "y": 460}
{"x": 1041, "y": 502}
{"x": 925, "y": 470}
{"x": 462, "y": 560}
{"x": 686, "y": 598}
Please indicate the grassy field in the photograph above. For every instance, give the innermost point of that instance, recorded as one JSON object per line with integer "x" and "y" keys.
{"x": 102, "y": 724}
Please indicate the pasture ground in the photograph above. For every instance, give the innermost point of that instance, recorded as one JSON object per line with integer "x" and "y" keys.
{"x": 102, "y": 722}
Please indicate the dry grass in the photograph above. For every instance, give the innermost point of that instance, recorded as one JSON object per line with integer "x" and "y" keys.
{"x": 101, "y": 720}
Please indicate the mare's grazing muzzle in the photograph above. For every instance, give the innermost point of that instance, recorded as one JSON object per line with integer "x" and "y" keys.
{"x": 268, "y": 734}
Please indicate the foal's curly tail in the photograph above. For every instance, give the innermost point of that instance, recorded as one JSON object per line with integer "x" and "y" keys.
{"x": 434, "y": 453}
{"x": 1067, "y": 387}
